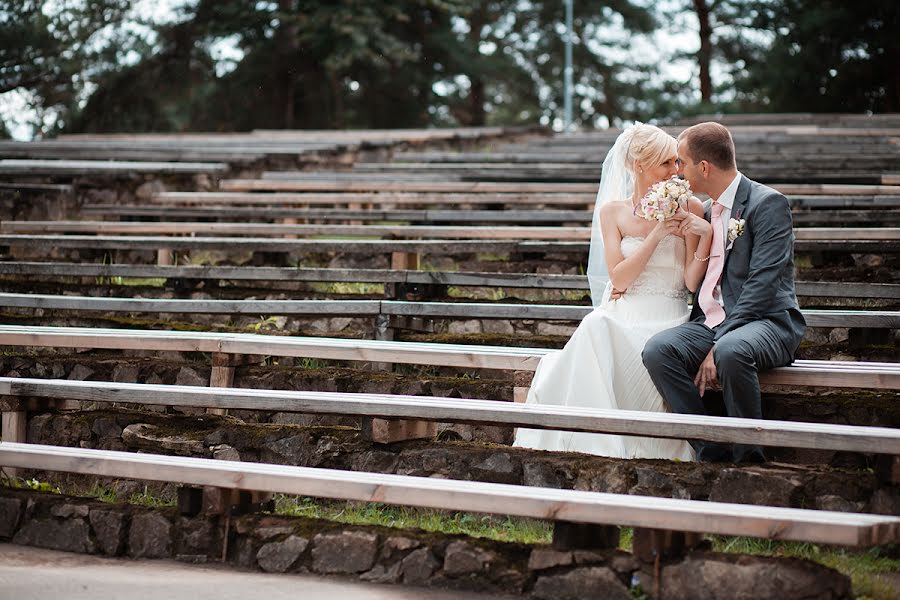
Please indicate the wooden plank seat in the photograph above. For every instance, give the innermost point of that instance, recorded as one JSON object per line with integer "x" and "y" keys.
{"x": 844, "y": 374}
{"x": 788, "y": 434}
{"x": 103, "y": 167}
{"x": 359, "y": 135}
{"x": 540, "y": 503}
{"x": 513, "y": 199}
{"x": 422, "y": 216}
{"x": 294, "y": 181}
{"x": 386, "y": 231}
{"x": 369, "y": 308}
{"x": 262, "y": 213}
{"x": 455, "y": 278}
{"x": 530, "y": 155}
{"x": 871, "y": 172}
{"x": 99, "y": 242}
{"x": 403, "y": 198}
{"x": 369, "y": 247}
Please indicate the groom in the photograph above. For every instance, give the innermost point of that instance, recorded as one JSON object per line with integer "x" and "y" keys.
{"x": 745, "y": 317}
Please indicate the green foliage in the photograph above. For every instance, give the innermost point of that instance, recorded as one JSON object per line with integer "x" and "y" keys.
{"x": 49, "y": 51}
{"x": 831, "y": 56}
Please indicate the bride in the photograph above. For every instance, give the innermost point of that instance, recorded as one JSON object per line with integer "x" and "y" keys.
{"x": 656, "y": 263}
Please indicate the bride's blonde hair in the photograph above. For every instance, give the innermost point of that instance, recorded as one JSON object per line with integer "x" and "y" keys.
{"x": 650, "y": 146}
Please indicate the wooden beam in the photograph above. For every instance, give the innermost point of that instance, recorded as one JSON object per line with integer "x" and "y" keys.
{"x": 835, "y": 234}
{"x": 13, "y": 428}
{"x": 533, "y": 502}
{"x": 483, "y": 279}
{"x": 434, "y": 409}
{"x": 107, "y": 167}
{"x": 392, "y": 308}
{"x": 850, "y": 374}
{"x": 250, "y": 244}
{"x": 221, "y": 376}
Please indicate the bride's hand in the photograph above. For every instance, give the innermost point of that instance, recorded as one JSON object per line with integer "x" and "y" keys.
{"x": 665, "y": 228}
{"x": 692, "y": 224}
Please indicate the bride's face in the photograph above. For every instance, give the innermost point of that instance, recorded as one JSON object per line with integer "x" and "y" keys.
{"x": 662, "y": 172}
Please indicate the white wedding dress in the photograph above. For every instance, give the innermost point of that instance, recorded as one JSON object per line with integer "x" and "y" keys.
{"x": 600, "y": 366}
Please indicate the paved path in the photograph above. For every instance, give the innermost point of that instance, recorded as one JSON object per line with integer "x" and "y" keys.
{"x": 31, "y": 574}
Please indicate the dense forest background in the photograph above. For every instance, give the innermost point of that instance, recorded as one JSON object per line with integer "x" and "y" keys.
{"x": 229, "y": 65}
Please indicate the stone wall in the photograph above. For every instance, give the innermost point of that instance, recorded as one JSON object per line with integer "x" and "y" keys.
{"x": 393, "y": 556}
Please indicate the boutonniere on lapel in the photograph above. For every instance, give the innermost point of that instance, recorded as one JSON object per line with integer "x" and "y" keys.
{"x": 735, "y": 228}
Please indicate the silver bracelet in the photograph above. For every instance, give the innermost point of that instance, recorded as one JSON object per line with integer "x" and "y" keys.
{"x": 702, "y": 259}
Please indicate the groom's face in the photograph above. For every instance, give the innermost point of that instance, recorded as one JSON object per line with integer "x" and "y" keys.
{"x": 695, "y": 173}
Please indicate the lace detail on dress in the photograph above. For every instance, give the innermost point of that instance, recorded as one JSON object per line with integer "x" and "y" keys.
{"x": 664, "y": 273}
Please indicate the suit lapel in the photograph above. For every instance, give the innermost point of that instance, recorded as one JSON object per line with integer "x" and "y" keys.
{"x": 737, "y": 209}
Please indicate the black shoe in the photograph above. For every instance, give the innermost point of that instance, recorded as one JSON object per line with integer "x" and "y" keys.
{"x": 715, "y": 453}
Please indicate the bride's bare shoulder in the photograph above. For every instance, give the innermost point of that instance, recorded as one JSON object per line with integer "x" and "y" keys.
{"x": 613, "y": 209}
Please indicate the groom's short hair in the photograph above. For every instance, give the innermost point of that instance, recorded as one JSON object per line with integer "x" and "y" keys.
{"x": 710, "y": 142}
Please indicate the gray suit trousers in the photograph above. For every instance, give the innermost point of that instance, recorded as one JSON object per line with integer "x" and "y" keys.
{"x": 673, "y": 358}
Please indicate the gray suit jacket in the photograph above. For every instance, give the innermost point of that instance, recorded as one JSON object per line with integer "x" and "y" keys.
{"x": 758, "y": 276}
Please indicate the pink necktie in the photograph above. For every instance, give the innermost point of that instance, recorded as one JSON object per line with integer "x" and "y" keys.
{"x": 714, "y": 312}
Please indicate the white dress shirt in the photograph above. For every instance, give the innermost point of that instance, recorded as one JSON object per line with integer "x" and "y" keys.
{"x": 727, "y": 201}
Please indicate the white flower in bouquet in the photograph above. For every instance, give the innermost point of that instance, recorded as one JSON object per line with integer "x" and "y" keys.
{"x": 663, "y": 199}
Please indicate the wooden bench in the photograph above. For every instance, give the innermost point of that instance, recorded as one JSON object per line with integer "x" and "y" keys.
{"x": 295, "y": 182}
{"x": 850, "y": 374}
{"x": 830, "y": 234}
{"x": 827, "y": 289}
{"x": 869, "y": 319}
{"x": 788, "y": 434}
{"x": 508, "y": 198}
{"x": 383, "y": 197}
{"x": 561, "y": 506}
{"x": 218, "y": 212}
{"x": 164, "y": 246}
{"x": 110, "y": 168}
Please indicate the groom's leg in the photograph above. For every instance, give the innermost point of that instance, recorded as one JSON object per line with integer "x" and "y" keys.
{"x": 740, "y": 355}
{"x": 672, "y": 358}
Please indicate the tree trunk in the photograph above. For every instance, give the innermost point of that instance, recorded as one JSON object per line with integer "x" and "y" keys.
{"x": 287, "y": 55}
{"x": 704, "y": 55}
{"x": 476, "y": 91}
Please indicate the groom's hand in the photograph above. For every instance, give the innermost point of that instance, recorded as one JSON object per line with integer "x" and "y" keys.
{"x": 706, "y": 374}
{"x": 616, "y": 294}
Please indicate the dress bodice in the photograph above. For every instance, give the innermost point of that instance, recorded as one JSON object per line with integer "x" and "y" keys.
{"x": 664, "y": 273}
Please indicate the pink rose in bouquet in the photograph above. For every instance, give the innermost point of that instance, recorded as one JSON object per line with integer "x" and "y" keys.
{"x": 663, "y": 199}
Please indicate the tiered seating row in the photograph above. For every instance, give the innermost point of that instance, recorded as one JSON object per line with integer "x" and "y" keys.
{"x": 386, "y": 276}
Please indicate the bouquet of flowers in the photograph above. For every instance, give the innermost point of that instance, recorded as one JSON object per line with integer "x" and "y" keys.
{"x": 663, "y": 199}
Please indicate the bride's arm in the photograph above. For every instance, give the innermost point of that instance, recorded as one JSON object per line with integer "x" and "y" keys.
{"x": 698, "y": 240}
{"x": 623, "y": 271}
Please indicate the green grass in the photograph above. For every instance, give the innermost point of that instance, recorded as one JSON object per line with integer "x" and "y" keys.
{"x": 505, "y": 529}
{"x": 348, "y": 288}
{"x": 141, "y": 281}
{"x": 98, "y": 492}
